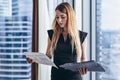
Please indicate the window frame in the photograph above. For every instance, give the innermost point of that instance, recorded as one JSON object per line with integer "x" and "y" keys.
{"x": 35, "y": 37}
{"x": 89, "y": 25}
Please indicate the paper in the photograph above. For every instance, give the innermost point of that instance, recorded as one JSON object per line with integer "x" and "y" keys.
{"x": 40, "y": 58}
{"x": 91, "y": 65}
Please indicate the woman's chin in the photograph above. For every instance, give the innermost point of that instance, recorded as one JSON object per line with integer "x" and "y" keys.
{"x": 62, "y": 26}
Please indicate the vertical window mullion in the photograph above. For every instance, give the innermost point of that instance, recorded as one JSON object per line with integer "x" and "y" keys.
{"x": 35, "y": 39}
{"x": 92, "y": 34}
{"x": 86, "y": 25}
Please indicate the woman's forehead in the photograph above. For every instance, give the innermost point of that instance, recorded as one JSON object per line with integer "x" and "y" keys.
{"x": 59, "y": 13}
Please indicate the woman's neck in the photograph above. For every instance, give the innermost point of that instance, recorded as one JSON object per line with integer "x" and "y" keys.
{"x": 65, "y": 30}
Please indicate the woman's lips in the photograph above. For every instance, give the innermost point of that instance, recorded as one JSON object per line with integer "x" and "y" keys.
{"x": 60, "y": 23}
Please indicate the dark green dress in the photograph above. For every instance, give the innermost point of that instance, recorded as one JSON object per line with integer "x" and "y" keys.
{"x": 63, "y": 54}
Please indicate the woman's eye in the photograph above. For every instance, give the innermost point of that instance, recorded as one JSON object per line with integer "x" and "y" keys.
{"x": 63, "y": 17}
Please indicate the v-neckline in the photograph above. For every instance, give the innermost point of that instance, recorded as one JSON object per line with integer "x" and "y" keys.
{"x": 64, "y": 40}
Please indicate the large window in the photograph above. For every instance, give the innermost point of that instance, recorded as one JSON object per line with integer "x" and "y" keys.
{"x": 100, "y": 18}
{"x": 108, "y": 38}
{"x": 15, "y": 39}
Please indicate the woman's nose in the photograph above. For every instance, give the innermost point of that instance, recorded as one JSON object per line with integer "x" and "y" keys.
{"x": 59, "y": 19}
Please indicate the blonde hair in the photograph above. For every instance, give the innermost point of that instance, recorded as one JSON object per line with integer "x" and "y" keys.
{"x": 72, "y": 28}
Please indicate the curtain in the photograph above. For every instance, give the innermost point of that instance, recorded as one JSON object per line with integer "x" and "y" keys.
{"x": 44, "y": 25}
{"x": 46, "y": 15}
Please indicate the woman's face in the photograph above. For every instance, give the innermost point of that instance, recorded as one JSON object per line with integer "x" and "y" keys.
{"x": 61, "y": 18}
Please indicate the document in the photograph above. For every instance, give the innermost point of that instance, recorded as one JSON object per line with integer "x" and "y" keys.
{"x": 40, "y": 58}
{"x": 91, "y": 65}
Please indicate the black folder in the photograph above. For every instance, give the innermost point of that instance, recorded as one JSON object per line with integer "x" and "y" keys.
{"x": 91, "y": 65}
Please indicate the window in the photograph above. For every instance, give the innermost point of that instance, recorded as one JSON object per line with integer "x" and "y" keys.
{"x": 15, "y": 39}
{"x": 108, "y": 38}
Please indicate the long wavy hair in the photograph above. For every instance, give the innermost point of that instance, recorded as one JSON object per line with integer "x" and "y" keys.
{"x": 71, "y": 26}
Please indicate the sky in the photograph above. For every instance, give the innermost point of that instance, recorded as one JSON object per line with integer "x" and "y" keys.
{"x": 110, "y": 15}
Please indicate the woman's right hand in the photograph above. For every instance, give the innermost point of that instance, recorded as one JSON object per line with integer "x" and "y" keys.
{"x": 29, "y": 60}
{"x": 83, "y": 70}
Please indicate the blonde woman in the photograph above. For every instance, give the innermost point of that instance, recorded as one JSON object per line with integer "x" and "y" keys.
{"x": 66, "y": 43}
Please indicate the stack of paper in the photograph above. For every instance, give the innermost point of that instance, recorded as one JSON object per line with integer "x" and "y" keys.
{"x": 40, "y": 58}
{"x": 91, "y": 65}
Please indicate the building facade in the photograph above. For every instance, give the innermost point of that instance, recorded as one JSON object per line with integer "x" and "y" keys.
{"x": 15, "y": 39}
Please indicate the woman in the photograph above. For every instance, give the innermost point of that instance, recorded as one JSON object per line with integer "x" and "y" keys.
{"x": 66, "y": 43}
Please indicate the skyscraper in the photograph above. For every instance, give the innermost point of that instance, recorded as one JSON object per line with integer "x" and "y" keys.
{"x": 15, "y": 39}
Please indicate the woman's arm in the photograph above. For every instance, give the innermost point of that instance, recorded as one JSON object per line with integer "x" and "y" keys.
{"x": 48, "y": 48}
{"x": 83, "y": 57}
{"x": 83, "y": 49}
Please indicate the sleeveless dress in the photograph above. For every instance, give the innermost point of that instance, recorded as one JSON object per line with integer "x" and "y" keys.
{"x": 64, "y": 54}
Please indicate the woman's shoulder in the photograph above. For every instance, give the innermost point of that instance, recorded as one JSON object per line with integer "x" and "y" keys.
{"x": 82, "y": 35}
{"x": 50, "y": 30}
{"x": 82, "y": 32}
{"x": 50, "y": 33}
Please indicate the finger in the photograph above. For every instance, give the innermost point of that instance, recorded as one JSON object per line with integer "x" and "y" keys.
{"x": 81, "y": 71}
{"x": 29, "y": 60}
{"x": 86, "y": 70}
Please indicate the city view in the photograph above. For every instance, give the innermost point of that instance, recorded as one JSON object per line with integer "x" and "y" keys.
{"x": 15, "y": 39}
{"x": 108, "y": 39}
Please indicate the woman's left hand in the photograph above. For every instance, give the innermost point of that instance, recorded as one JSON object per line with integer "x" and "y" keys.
{"x": 83, "y": 70}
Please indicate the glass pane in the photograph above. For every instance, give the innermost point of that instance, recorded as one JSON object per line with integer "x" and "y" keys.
{"x": 15, "y": 38}
{"x": 108, "y": 38}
